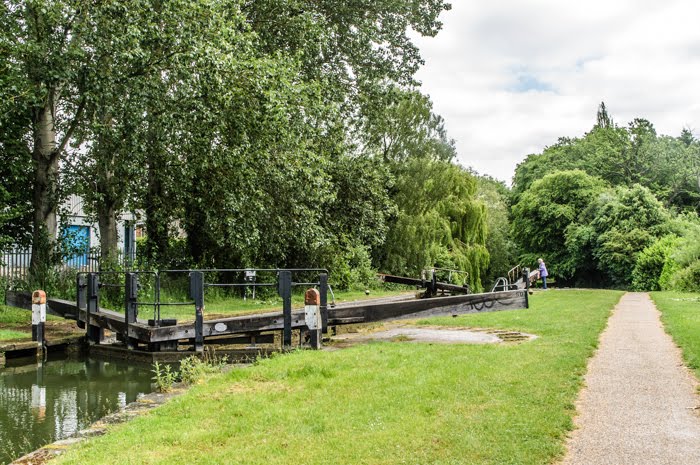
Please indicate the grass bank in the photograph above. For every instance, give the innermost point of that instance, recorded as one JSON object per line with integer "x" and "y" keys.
{"x": 383, "y": 403}
{"x": 680, "y": 313}
{"x": 16, "y": 324}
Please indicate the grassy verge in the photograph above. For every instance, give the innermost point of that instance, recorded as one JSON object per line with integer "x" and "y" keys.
{"x": 680, "y": 313}
{"x": 11, "y": 319}
{"x": 11, "y": 335}
{"x": 19, "y": 316}
{"x": 16, "y": 324}
{"x": 383, "y": 403}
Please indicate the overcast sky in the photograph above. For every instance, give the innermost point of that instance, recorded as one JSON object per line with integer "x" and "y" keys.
{"x": 510, "y": 77}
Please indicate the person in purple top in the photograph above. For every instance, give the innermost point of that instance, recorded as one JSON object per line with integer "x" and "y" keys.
{"x": 543, "y": 272}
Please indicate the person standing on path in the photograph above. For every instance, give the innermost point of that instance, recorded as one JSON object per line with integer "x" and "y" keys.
{"x": 543, "y": 272}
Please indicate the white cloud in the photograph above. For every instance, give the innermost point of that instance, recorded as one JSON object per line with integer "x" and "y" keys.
{"x": 510, "y": 77}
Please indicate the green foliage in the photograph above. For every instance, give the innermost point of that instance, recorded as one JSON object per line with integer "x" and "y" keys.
{"x": 193, "y": 369}
{"x": 350, "y": 267}
{"x": 499, "y": 242}
{"x": 681, "y": 270}
{"x": 547, "y": 213}
{"x": 686, "y": 279}
{"x": 599, "y": 240}
{"x": 650, "y": 265}
{"x": 440, "y": 222}
{"x": 164, "y": 377}
{"x": 623, "y": 156}
{"x": 626, "y": 221}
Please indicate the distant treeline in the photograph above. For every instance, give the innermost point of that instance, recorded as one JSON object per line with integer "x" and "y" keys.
{"x": 617, "y": 207}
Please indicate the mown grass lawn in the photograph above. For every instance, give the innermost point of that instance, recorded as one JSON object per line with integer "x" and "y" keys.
{"x": 16, "y": 323}
{"x": 11, "y": 335}
{"x": 680, "y": 313}
{"x": 10, "y": 319}
{"x": 383, "y": 403}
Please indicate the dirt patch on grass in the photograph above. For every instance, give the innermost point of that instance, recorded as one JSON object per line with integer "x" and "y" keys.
{"x": 427, "y": 334}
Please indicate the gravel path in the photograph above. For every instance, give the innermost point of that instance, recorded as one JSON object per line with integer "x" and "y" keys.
{"x": 640, "y": 403}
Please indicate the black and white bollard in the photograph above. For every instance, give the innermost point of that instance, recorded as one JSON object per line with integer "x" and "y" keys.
{"x": 39, "y": 317}
{"x": 312, "y": 317}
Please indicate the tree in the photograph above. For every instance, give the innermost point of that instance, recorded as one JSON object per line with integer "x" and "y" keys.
{"x": 440, "y": 223}
{"x": 625, "y": 221}
{"x": 543, "y": 219}
{"x": 403, "y": 126}
{"x": 43, "y": 48}
{"x": 502, "y": 249}
{"x": 603, "y": 120}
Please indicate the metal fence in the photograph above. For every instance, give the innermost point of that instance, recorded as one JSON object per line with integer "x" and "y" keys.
{"x": 14, "y": 264}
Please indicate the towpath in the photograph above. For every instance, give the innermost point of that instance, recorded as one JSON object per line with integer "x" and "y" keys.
{"x": 640, "y": 403}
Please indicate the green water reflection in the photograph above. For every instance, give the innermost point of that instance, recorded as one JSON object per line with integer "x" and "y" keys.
{"x": 43, "y": 403}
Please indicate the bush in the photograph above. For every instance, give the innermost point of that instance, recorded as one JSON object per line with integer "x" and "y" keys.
{"x": 351, "y": 268}
{"x": 687, "y": 279}
{"x": 681, "y": 271}
{"x": 650, "y": 264}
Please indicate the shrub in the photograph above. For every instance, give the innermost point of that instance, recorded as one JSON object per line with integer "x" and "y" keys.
{"x": 687, "y": 279}
{"x": 163, "y": 377}
{"x": 650, "y": 264}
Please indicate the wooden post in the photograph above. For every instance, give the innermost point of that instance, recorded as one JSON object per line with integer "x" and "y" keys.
{"x": 131, "y": 286}
{"x": 285, "y": 291}
{"x": 197, "y": 288}
{"x": 95, "y": 334}
{"x": 39, "y": 318}
{"x": 312, "y": 317}
{"x": 323, "y": 291}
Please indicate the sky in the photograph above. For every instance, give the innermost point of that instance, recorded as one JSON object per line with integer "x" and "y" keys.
{"x": 510, "y": 77}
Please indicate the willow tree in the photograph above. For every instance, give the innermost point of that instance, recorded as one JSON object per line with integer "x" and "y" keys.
{"x": 440, "y": 222}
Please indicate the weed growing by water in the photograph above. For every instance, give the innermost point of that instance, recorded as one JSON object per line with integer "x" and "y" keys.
{"x": 194, "y": 369}
{"x": 164, "y": 377}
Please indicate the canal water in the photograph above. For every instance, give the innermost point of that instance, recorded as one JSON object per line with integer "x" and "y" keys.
{"x": 42, "y": 403}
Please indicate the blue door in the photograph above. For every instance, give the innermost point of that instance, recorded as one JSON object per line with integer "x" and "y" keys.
{"x": 76, "y": 240}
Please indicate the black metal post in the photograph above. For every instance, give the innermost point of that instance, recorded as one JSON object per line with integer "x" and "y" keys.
{"x": 81, "y": 297}
{"x": 197, "y": 290}
{"x": 526, "y": 278}
{"x": 323, "y": 290}
{"x": 95, "y": 334}
{"x": 131, "y": 286}
{"x": 285, "y": 291}
{"x": 81, "y": 291}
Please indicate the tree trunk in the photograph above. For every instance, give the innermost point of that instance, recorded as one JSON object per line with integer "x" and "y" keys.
{"x": 157, "y": 216}
{"x": 107, "y": 202}
{"x": 44, "y": 201}
{"x": 107, "y": 222}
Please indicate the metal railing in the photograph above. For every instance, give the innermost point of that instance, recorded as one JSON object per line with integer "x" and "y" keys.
{"x": 15, "y": 263}
{"x": 88, "y": 285}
